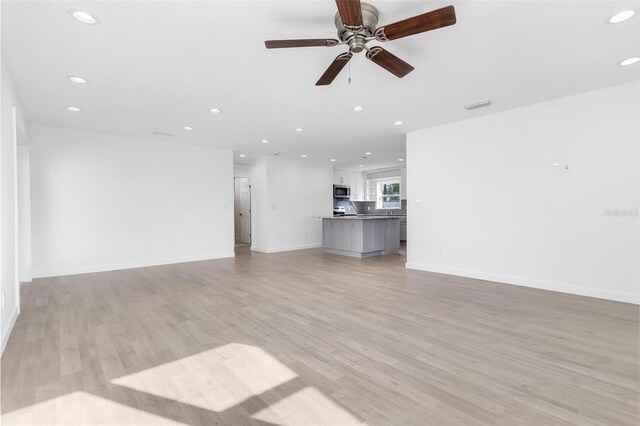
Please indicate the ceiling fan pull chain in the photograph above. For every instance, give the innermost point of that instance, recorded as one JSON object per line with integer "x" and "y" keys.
{"x": 349, "y": 72}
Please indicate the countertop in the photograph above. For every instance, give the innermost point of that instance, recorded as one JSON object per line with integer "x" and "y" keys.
{"x": 367, "y": 217}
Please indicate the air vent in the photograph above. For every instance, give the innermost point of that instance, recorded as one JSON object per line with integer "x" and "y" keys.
{"x": 477, "y": 105}
{"x": 163, "y": 133}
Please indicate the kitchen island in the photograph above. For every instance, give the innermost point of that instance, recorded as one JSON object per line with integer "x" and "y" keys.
{"x": 361, "y": 236}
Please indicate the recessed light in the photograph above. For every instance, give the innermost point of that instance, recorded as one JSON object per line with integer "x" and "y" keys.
{"x": 358, "y": 108}
{"x": 72, "y": 108}
{"x": 265, "y": 141}
{"x": 299, "y": 129}
{"x": 367, "y": 153}
{"x": 333, "y": 160}
{"x": 84, "y": 17}
{"x": 77, "y": 79}
{"x": 629, "y": 61}
{"x": 400, "y": 159}
{"x": 304, "y": 156}
{"x": 215, "y": 110}
{"x": 360, "y": 165}
{"x": 398, "y": 123}
{"x": 188, "y": 128}
{"x": 622, "y": 16}
{"x": 242, "y": 155}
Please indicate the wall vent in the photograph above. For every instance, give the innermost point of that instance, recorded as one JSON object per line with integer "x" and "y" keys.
{"x": 163, "y": 133}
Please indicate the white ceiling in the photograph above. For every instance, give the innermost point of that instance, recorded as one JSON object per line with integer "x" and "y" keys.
{"x": 159, "y": 66}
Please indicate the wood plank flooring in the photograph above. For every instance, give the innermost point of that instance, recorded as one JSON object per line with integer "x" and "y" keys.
{"x": 305, "y": 338}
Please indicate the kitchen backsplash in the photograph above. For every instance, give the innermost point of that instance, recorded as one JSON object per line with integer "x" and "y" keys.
{"x": 369, "y": 207}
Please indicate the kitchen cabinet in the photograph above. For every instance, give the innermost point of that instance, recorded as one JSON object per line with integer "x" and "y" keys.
{"x": 340, "y": 177}
{"x": 361, "y": 237}
{"x": 391, "y": 236}
{"x": 355, "y": 181}
{"x": 343, "y": 235}
{"x": 328, "y": 239}
{"x": 358, "y": 192}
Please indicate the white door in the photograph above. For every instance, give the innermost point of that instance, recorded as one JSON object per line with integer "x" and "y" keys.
{"x": 243, "y": 210}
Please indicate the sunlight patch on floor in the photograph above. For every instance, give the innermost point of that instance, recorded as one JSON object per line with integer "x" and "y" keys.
{"x": 308, "y": 406}
{"x": 215, "y": 380}
{"x": 80, "y": 408}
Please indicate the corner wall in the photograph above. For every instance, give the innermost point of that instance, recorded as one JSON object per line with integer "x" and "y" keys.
{"x": 486, "y": 202}
{"x": 288, "y": 197}
{"x": 104, "y": 201}
{"x": 11, "y": 124}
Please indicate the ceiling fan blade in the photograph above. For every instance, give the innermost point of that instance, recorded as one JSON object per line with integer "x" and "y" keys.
{"x": 334, "y": 69}
{"x": 350, "y": 12}
{"x": 389, "y": 61}
{"x": 311, "y": 42}
{"x": 418, "y": 24}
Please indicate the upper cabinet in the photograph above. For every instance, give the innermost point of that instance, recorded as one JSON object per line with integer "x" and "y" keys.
{"x": 340, "y": 177}
{"x": 360, "y": 192}
{"x": 355, "y": 180}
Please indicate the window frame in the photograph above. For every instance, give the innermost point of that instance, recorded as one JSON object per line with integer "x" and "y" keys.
{"x": 379, "y": 196}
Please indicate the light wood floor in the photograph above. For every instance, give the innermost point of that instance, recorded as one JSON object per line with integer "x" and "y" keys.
{"x": 305, "y": 338}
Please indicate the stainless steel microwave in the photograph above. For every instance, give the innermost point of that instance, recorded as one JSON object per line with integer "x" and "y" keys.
{"x": 341, "y": 191}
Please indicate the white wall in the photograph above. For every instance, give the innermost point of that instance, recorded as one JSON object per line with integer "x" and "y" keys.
{"x": 288, "y": 197}
{"x": 24, "y": 213}
{"x": 103, "y": 201}
{"x": 485, "y": 202}
{"x": 259, "y": 205}
{"x": 241, "y": 170}
{"x": 11, "y": 124}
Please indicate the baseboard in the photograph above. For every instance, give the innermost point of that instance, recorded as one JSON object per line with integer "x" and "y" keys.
{"x": 118, "y": 266}
{"x": 289, "y": 248}
{"x": 7, "y": 328}
{"x": 525, "y": 282}
{"x": 356, "y": 254}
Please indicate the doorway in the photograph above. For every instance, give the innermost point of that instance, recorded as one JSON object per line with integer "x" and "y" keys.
{"x": 242, "y": 209}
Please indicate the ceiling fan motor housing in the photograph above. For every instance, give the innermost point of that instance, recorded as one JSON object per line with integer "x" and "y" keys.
{"x": 356, "y": 37}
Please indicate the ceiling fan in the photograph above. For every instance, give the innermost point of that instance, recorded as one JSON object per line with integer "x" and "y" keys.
{"x": 356, "y": 23}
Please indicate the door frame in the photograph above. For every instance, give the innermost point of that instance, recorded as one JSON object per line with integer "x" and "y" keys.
{"x": 237, "y": 203}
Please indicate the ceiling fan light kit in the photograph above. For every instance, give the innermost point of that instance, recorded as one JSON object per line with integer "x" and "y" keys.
{"x": 356, "y": 24}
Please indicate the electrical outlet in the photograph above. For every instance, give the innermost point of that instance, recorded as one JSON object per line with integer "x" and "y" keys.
{"x": 561, "y": 168}
{"x": 147, "y": 246}
{"x": 441, "y": 252}
{"x": 306, "y": 236}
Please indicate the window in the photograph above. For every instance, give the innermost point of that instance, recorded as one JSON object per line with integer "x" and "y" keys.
{"x": 385, "y": 192}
